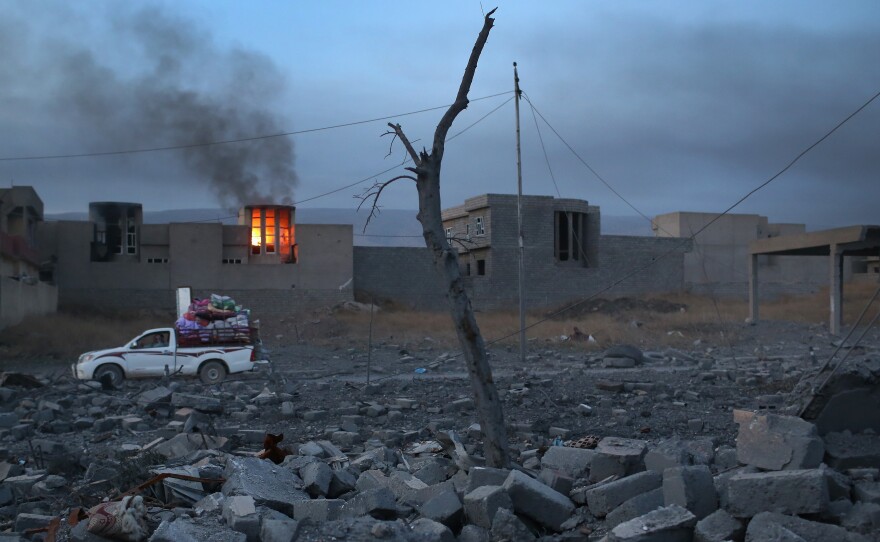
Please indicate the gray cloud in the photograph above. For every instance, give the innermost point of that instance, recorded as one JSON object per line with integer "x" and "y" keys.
{"x": 160, "y": 81}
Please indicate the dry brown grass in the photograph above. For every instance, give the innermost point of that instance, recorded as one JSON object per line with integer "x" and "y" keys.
{"x": 64, "y": 336}
{"x": 702, "y": 318}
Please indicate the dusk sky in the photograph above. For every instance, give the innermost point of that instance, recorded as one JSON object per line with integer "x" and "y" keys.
{"x": 678, "y": 105}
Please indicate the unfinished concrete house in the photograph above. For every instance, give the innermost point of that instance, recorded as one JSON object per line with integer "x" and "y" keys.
{"x": 268, "y": 262}
{"x": 22, "y": 292}
{"x": 719, "y": 261}
{"x": 566, "y": 257}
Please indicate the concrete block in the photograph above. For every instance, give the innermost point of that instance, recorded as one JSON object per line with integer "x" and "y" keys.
{"x": 431, "y": 531}
{"x": 847, "y": 451}
{"x": 788, "y": 492}
{"x": 605, "y": 498}
{"x": 269, "y": 484}
{"x": 763, "y": 526}
{"x": 866, "y": 491}
{"x": 445, "y": 508}
{"x": 316, "y": 478}
{"x": 718, "y": 527}
{"x": 343, "y": 481}
{"x": 201, "y": 403}
{"x": 506, "y": 526}
{"x": 556, "y": 480}
{"x": 675, "y": 452}
{"x": 671, "y": 523}
{"x": 692, "y": 488}
{"x": 575, "y": 462}
{"x": 617, "y": 456}
{"x": 722, "y": 481}
{"x": 240, "y": 513}
{"x": 472, "y": 533}
{"x": 279, "y": 530}
{"x": 23, "y": 522}
{"x": 318, "y": 510}
{"x": 185, "y": 529}
{"x": 537, "y": 501}
{"x": 635, "y": 507}
{"x": 862, "y": 518}
{"x": 378, "y": 503}
{"x": 486, "y": 476}
{"x": 774, "y": 442}
{"x": 481, "y": 504}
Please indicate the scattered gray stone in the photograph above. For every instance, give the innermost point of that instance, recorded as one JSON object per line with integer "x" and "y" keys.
{"x": 606, "y": 497}
{"x": 635, "y": 507}
{"x": 506, "y": 527}
{"x": 481, "y": 504}
{"x": 269, "y": 484}
{"x": 318, "y": 509}
{"x": 431, "y": 531}
{"x": 847, "y": 451}
{"x": 445, "y": 508}
{"x": 575, "y": 462}
{"x": 279, "y": 530}
{"x": 537, "y": 501}
{"x": 774, "y": 442}
{"x": 378, "y": 503}
{"x": 766, "y": 523}
{"x": 690, "y": 487}
{"x": 316, "y": 477}
{"x": 617, "y": 456}
{"x": 718, "y": 527}
{"x": 671, "y": 523}
{"x": 789, "y": 492}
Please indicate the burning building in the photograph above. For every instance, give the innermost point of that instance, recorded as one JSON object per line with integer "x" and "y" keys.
{"x": 272, "y": 232}
{"x": 265, "y": 261}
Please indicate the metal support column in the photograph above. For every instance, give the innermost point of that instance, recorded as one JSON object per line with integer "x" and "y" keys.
{"x": 753, "y": 288}
{"x": 835, "y": 258}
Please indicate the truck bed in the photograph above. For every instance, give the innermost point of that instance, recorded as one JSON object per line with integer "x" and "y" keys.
{"x": 217, "y": 337}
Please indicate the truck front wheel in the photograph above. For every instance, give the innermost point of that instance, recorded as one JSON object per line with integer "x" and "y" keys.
{"x": 212, "y": 372}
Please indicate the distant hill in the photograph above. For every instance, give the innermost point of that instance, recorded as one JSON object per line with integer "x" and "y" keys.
{"x": 392, "y": 227}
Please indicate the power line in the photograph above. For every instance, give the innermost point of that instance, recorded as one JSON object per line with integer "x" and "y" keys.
{"x": 684, "y": 241}
{"x": 715, "y": 219}
{"x": 228, "y": 141}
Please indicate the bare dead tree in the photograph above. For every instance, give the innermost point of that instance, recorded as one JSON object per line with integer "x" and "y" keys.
{"x": 427, "y": 178}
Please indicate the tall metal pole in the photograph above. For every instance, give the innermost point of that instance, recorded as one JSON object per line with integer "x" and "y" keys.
{"x": 522, "y": 272}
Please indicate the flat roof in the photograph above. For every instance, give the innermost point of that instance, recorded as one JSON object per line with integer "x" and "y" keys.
{"x": 862, "y": 240}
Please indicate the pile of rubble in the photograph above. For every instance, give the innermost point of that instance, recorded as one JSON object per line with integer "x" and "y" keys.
{"x": 180, "y": 462}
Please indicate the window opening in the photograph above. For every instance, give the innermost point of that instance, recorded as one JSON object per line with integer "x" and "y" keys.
{"x": 232, "y": 260}
{"x": 570, "y": 237}
{"x": 481, "y": 267}
{"x": 479, "y": 226}
{"x": 269, "y": 222}
{"x": 256, "y": 233}
{"x": 449, "y": 233}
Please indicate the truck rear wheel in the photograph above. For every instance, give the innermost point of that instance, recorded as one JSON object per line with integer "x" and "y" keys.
{"x": 110, "y": 373}
{"x": 212, "y": 372}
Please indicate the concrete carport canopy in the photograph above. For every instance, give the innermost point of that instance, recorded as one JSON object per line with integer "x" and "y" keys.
{"x": 835, "y": 243}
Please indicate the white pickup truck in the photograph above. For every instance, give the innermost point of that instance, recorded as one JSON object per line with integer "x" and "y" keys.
{"x": 211, "y": 354}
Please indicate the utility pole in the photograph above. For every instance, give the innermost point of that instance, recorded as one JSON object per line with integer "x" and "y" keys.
{"x": 522, "y": 272}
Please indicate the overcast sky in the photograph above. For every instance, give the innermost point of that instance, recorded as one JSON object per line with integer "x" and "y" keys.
{"x": 678, "y": 105}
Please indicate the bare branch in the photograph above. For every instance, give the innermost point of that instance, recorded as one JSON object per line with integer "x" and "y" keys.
{"x": 409, "y": 148}
{"x": 373, "y": 193}
{"x": 390, "y": 145}
{"x": 462, "y": 241}
{"x": 461, "y": 99}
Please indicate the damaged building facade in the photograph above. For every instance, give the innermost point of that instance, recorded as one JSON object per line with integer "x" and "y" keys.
{"x": 22, "y": 292}
{"x": 114, "y": 260}
{"x": 719, "y": 261}
{"x": 566, "y": 257}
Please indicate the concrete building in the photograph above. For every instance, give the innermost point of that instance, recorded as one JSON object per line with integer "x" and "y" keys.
{"x": 266, "y": 262}
{"x": 719, "y": 261}
{"x": 566, "y": 257}
{"x": 22, "y": 292}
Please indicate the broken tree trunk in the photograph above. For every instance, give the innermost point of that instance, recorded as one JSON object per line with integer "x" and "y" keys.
{"x": 427, "y": 170}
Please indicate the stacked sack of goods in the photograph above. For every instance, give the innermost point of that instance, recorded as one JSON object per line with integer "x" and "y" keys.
{"x": 215, "y": 318}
